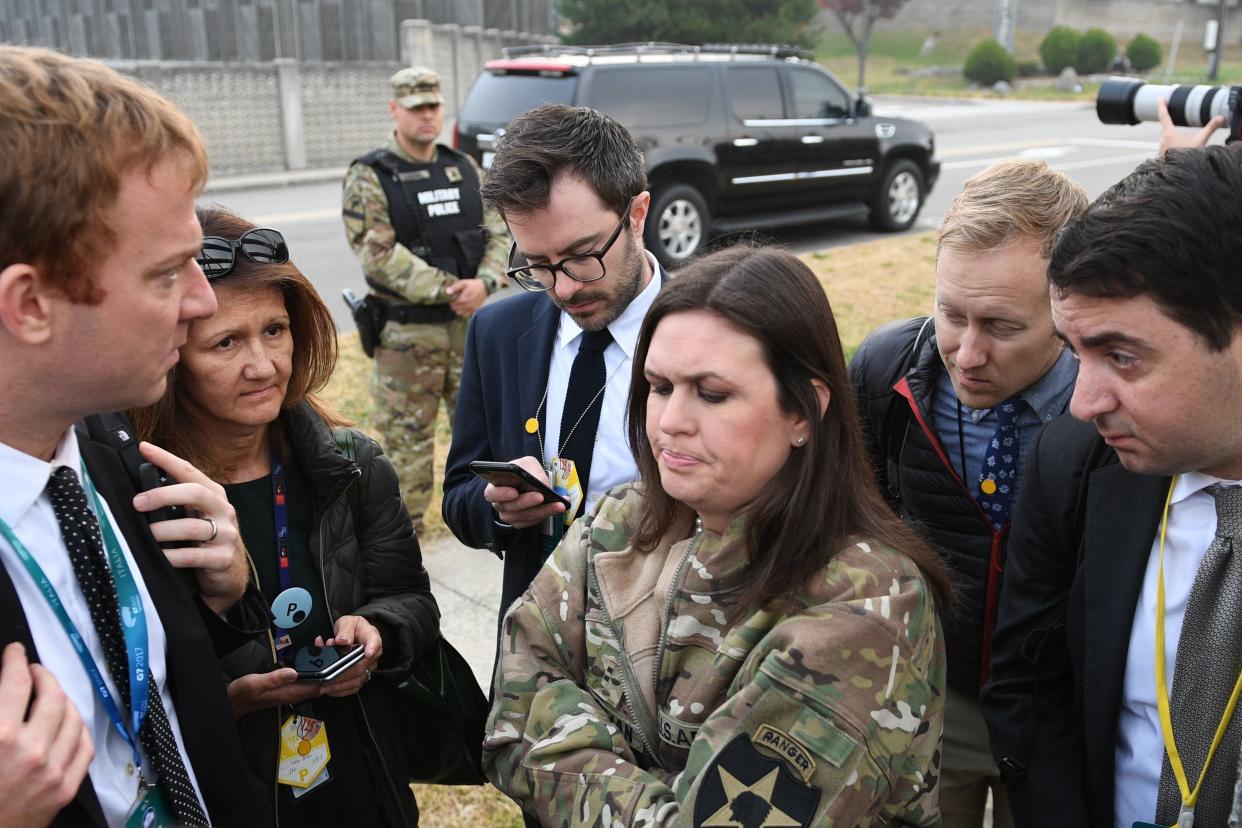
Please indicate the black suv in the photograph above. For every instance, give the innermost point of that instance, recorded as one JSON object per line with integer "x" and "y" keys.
{"x": 735, "y": 137}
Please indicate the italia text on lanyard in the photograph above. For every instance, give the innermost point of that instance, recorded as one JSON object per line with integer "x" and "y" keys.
{"x": 1186, "y": 815}
{"x": 293, "y": 605}
{"x": 133, "y": 625}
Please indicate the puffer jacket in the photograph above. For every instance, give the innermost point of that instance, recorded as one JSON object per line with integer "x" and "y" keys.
{"x": 625, "y": 696}
{"x": 895, "y": 371}
{"x": 374, "y": 570}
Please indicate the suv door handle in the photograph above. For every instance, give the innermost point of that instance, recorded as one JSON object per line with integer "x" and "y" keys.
{"x": 812, "y": 139}
{"x": 745, "y": 142}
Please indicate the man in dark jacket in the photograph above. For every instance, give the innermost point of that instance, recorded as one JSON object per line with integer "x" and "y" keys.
{"x": 950, "y": 402}
{"x": 1118, "y": 644}
{"x": 547, "y": 373}
{"x": 98, "y": 285}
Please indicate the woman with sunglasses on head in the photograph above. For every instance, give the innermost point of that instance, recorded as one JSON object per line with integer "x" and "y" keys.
{"x": 748, "y": 635}
{"x": 332, "y": 548}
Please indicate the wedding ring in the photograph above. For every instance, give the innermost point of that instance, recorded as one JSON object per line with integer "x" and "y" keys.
{"x": 367, "y": 673}
{"x": 214, "y": 529}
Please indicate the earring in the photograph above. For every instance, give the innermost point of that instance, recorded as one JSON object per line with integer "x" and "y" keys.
{"x": 800, "y": 440}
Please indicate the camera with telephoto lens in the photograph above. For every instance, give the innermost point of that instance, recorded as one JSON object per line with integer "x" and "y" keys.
{"x": 1130, "y": 101}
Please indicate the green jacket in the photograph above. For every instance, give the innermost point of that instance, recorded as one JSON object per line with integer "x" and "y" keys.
{"x": 623, "y": 696}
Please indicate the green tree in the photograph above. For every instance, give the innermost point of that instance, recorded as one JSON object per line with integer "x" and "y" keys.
{"x": 858, "y": 17}
{"x": 1096, "y": 51}
{"x": 1059, "y": 49}
{"x": 691, "y": 21}
{"x": 988, "y": 63}
{"x": 1144, "y": 53}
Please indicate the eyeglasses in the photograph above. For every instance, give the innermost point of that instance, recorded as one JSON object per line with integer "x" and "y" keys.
{"x": 587, "y": 267}
{"x": 261, "y": 246}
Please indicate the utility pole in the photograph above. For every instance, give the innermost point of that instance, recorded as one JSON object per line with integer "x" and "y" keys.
{"x": 1003, "y": 23}
{"x": 1214, "y": 58}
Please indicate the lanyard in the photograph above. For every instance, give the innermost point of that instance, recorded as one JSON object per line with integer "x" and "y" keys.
{"x": 280, "y": 512}
{"x": 1162, "y": 692}
{"x": 133, "y": 625}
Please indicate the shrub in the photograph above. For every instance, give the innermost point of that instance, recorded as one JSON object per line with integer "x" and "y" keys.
{"x": 1059, "y": 49}
{"x": 1028, "y": 68}
{"x": 1096, "y": 51}
{"x": 1144, "y": 53}
{"x": 988, "y": 63}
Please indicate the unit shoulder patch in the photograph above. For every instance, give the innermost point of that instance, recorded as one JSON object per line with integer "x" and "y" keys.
{"x": 742, "y": 788}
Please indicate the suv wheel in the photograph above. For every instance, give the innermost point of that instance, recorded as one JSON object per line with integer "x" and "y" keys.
{"x": 896, "y": 204}
{"x": 677, "y": 224}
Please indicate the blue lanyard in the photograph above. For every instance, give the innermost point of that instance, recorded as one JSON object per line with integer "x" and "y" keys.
{"x": 133, "y": 625}
{"x": 280, "y": 512}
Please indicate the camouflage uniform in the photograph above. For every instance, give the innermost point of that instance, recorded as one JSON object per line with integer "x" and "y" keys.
{"x": 416, "y": 365}
{"x": 624, "y": 697}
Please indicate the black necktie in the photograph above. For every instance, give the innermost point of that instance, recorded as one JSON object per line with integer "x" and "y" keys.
{"x": 80, "y": 531}
{"x": 583, "y": 400}
{"x": 1209, "y": 656}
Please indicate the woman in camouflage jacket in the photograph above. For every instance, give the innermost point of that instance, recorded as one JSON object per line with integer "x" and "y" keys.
{"x": 748, "y": 636}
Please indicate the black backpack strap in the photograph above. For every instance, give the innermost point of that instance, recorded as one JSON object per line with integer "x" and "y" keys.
{"x": 116, "y": 431}
{"x": 898, "y": 419}
{"x": 344, "y": 438}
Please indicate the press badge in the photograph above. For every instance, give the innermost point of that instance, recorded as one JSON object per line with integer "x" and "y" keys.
{"x": 565, "y": 483}
{"x": 149, "y": 810}
{"x": 304, "y": 752}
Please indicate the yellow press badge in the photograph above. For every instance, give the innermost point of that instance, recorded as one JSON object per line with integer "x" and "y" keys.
{"x": 565, "y": 483}
{"x": 304, "y": 751}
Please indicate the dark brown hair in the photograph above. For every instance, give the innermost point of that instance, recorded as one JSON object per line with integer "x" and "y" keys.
{"x": 825, "y": 494}
{"x": 168, "y": 424}
{"x": 554, "y": 140}
{"x": 70, "y": 130}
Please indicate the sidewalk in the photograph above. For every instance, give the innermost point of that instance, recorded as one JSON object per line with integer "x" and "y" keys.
{"x": 466, "y": 583}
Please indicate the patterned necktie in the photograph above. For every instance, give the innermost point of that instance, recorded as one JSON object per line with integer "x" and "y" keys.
{"x": 1209, "y": 657}
{"x": 583, "y": 401}
{"x": 1000, "y": 464}
{"x": 80, "y": 531}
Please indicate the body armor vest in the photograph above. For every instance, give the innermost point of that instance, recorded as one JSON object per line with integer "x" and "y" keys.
{"x": 435, "y": 209}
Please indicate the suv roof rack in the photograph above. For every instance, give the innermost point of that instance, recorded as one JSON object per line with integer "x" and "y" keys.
{"x": 774, "y": 50}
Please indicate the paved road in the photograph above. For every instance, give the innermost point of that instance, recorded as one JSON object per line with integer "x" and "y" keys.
{"x": 970, "y": 135}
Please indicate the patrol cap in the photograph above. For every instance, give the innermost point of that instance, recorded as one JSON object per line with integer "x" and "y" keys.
{"x": 416, "y": 85}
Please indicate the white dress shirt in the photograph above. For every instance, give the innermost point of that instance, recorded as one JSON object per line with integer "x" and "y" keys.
{"x": 26, "y": 508}
{"x": 1140, "y": 744}
{"x": 611, "y": 462}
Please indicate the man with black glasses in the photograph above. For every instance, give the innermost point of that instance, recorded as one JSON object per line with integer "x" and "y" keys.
{"x": 547, "y": 374}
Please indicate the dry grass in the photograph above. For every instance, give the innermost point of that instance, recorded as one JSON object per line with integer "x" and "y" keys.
{"x": 868, "y": 284}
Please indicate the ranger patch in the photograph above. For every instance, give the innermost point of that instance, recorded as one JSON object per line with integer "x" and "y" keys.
{"x": 742, "y": 788}
{"x": 788, "y": 748}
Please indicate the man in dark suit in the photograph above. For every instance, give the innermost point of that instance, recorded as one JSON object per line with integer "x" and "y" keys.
{"x": 102, "y": 641}
{"x": 546, "y": 374}
{"x": 1122, "y": 598}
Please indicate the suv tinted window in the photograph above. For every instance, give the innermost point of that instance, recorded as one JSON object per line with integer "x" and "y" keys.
{"x": 498, "y": 99}
{"x": 653, "y": 97}
{"x": 816, "y": 96}
{"x": 754, "y": 92}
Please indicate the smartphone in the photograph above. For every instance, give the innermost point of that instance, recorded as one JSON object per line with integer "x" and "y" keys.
{"x": 323, "y": 664}
{"x": 151, "y": 477}
{"x": 513, "y": 475}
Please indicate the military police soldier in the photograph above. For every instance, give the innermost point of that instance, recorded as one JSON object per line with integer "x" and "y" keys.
{"x": 431, "y": 255}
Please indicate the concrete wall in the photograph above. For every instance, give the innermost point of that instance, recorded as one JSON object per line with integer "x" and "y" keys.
{"x": 267, "y": 116}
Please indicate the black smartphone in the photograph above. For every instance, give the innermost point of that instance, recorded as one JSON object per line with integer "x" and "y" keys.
{"x": 513, "y": 475}
{"x": 151, "y": 476}
{"x": 323, "y": 664}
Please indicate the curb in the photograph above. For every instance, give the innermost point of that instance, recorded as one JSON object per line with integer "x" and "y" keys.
{"x": 282, "y": 178}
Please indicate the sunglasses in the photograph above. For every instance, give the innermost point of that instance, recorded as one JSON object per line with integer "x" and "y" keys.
{"x": 261, "y": 246}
